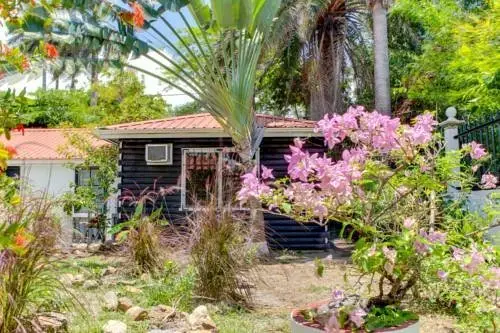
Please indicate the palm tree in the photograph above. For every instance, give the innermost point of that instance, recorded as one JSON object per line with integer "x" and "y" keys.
{"x": 333, "y": 37}
{"x": 222, "y": 79}
{"x": 381, "y": 56}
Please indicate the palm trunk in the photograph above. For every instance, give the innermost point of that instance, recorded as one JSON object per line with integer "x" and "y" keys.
{"x": 257, "y": 222}
{"x": 327, "y": 92}
{"x": 44, "y": 76}
{"x": 381, "y": 52}
{"x": 93, "y": 80}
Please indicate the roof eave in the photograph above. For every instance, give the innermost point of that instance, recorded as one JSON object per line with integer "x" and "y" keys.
{"x": 115, "y": 134}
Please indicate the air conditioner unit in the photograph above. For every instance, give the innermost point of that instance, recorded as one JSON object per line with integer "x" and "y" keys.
{"x": 159, "y": 154}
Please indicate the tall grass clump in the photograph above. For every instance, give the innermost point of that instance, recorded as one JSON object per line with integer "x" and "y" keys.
{"x": 220, "y": 254}
{"x": 142, "y": 230}
{"x": 28, "y": 233}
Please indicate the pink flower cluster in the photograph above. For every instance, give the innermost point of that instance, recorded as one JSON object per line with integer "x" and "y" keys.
{"x": 488, "y": 181}
{"x": 476, "y": 150}
{"x": 374, "y": 130}
{"x": 252, "y": 187}
{"x": 433, "y": 237}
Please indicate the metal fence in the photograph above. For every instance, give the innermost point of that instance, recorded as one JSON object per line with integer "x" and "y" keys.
{"x": 486, "y": 132}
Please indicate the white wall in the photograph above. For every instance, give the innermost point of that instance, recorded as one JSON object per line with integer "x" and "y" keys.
{"x": 51, "y": 178}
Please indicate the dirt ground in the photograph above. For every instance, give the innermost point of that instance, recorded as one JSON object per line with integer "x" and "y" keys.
{"x": 293, "y": 283}
{"x": 286, "y": 281}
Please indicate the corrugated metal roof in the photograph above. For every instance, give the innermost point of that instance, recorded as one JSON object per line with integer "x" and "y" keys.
{"x": 43, "y": 143}
{"x": 206, "y": 121}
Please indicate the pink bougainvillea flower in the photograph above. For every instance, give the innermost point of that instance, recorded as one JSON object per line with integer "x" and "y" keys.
{"x": 333, "y": 325}
{"x": 357, "y": 316}
{"x": 267, "y": 173}
{"x": 442, "y": 275}
{"x": 421, "y": 248}
{"x": 476, "y": 259}
{"x": 458, "y": 254}
{"x": 390, "y": 254}
{"x": 436, "y": 237}
{"x": 338, "y": 295}
{"x": 409, "y": 222}
{"x": 488, "y": 181}
{"x": 252, "y": 187}
{"x": 476, "y": 150}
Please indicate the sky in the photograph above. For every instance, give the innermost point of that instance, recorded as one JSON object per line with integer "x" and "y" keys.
{"x": 32, "y": 81}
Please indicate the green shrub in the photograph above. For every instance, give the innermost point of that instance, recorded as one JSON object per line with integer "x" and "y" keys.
{"x": 142, "y": 234}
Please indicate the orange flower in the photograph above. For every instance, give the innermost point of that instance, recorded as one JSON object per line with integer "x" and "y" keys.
{"x": 20, "y": 239}
{"x": 11, "y": 150}
{"x": 25, "y": 64}
{"x": 20, "y": 128}
{"x": 138, "y": 14}
{"x": 51, "y": 51}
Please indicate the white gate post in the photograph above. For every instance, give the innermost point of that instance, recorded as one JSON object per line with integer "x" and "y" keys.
{"x": 451, "y": 143}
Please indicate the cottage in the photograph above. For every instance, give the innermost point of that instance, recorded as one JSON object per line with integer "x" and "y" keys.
{"x": 45, "y": 169}
{"x": 187, "y": 157}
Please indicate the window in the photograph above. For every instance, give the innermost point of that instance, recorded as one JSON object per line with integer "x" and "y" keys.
{"x": 159, "y": 154}
{"x": 13, "y": 171}
{"x": 210, "y": 174}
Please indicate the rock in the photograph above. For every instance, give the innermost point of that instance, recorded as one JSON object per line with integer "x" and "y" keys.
{"x": 328, "y": 259}
{"x": 133, "y": 290}
{"x": 136, "y": 313}
{"x": 94, "y": 247}
{"x": 109, "y": 271}
{"x": 90, "y": 284}
{"x": 79, "y": 247}
{"x": 160, "y": 314}
{"x": 115, "y": 326}
{"x": 200, "y": 319}
{"x": 201, "y": 331}
{"x": 52, "y": 321}
{"x": 124, "y": 303}
{"x": 78, "y": 280}
{"x": 67, "y": 279}
{"x": 127, "y": 282}
{"x": 110, "y": 301}
{"x": 79, "y": 253}
{"x": 145, "y": 277}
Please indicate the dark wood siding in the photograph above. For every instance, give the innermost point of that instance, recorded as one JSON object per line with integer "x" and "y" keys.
{"x": 137, "y": 176}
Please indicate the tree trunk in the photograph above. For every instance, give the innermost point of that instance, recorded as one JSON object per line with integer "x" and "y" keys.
{"x": 381, "y": 52}
{"x": 44, "y": 76}
{"x": 93, "y": 80}
{"x": 327, "y": 94}
{"x": 257, "y": 222}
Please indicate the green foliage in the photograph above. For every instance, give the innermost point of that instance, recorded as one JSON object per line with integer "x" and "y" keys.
{"x": 142, "y": 235}
{"x": 122, "y": 99}
{"x": 173, "y": 288}
{"x": 54, "y": 108}
{"x": 387, "y": 317}
{"x": 187, "y": 108}
{"x": 444, "y": 53}
{"x": 81, "y": 197}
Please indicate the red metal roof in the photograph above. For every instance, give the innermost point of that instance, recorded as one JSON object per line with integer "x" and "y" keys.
{"x": 43, "y": 143}
{"x": 206, "y": 121}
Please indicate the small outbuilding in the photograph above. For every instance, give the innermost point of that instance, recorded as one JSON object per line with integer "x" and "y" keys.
{"x": 188, "y": 159}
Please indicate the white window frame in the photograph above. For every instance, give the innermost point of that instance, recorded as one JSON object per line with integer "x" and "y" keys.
{"x": 220, "y": 152}
{"x": 168, "y": 150}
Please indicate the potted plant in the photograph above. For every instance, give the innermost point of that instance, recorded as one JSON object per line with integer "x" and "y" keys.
{"x": 389, "y": 186}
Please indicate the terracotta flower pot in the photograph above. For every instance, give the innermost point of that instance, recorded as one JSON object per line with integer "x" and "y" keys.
{"x": 300, "y": 325}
